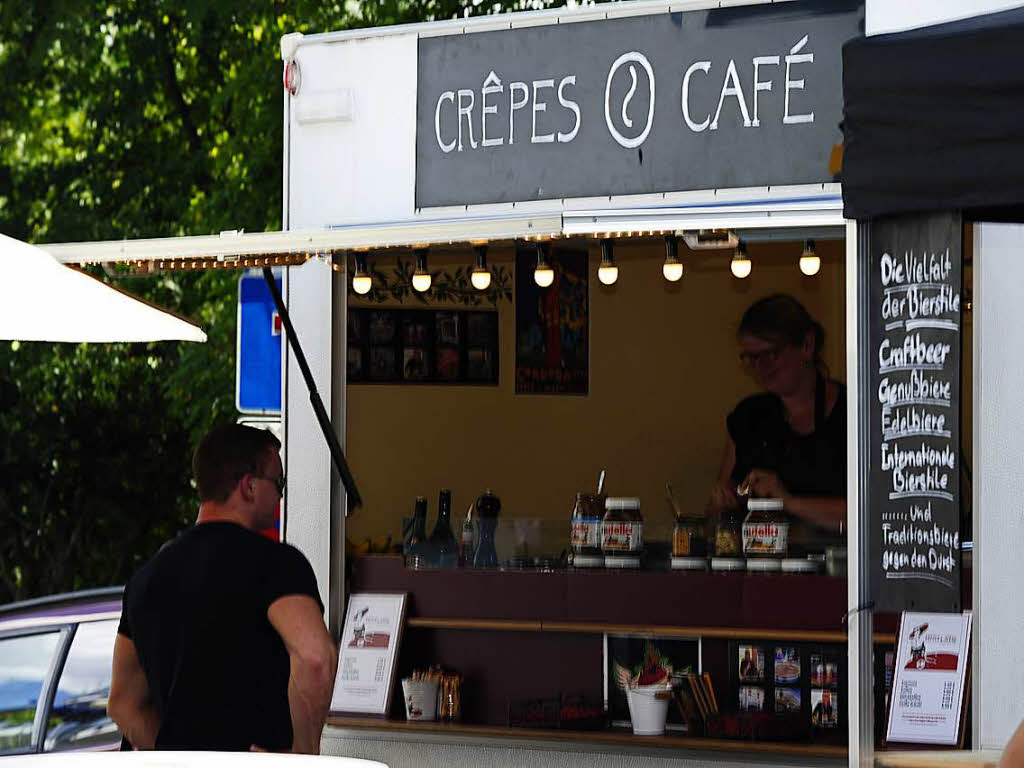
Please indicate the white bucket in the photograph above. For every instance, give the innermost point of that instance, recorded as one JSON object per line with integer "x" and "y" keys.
{"x": 648, "y": 708}
{"x": 420, "y": 699}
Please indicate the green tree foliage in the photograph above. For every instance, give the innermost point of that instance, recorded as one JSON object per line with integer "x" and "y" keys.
{"x": 136, "y": 118}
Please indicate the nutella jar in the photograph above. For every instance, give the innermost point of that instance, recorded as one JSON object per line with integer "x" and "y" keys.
{"x": 587, "y": 523}
{"x": 765, "y": 535}
{"x": 622, "y": 533}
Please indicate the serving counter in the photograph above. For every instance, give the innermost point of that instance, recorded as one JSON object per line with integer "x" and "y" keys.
{"x": 517, "y": 635}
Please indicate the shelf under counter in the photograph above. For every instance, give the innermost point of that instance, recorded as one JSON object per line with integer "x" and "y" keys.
{"x": 607, "y": 738}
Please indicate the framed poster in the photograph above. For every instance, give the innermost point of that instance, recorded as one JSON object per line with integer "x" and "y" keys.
{"x": 368, "y": 653}
{"x": 927, "y": 704}
{"x": 552, "y": 324}
{"x": 422, "y": 346}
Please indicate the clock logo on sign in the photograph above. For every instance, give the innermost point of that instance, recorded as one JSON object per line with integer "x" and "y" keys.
{"x": 634, "y": 62}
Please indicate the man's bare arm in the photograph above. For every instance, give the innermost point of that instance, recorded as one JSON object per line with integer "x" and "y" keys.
{"x": 129, "y": 704}
{"x": 314, "y": 660}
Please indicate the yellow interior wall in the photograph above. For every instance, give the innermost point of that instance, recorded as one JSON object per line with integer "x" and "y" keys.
{"x": 664, "y": 372}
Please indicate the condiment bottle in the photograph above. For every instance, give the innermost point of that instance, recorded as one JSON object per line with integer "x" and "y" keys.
{"x": 415, "y": 542}
{"x": 587, "y": 519}
{"x": 442, "y": 539}
{"x": 488, "y": 506}
{"x": 466, "y": 539}
{"x": 622, "y": 533}
{"x": 765, "y": 534}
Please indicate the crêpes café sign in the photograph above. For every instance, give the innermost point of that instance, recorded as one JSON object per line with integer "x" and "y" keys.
{"x": 725, "y": 97}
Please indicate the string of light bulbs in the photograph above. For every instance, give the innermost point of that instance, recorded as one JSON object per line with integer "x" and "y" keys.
{"x": 672, "y": 268}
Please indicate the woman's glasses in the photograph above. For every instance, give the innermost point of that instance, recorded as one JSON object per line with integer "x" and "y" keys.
{"x": 765, "y": 356}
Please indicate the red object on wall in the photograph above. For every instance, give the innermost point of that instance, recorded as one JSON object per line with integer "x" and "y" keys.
{"x": 273, "y": 532}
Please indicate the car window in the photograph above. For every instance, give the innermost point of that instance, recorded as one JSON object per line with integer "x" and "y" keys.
{"x": 24, "y": 663}
{"x": 78, "y": 719}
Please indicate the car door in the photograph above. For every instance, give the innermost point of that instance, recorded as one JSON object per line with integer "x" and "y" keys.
{"x": 28, "y": 662}
{"x": 77, "y": 717}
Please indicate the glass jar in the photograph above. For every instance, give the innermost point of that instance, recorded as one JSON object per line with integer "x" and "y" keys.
{"x": 729, "y": 536}
{"x": 689, "y": 544}
{"x": 622, "y": 533}
{"x": 585, "y": 537}
{"x": 765, "y": 534}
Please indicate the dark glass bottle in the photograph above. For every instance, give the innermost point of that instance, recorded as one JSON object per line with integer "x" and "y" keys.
{"x": 414, "y": 546}
{"x": 487, "y": 507}
{"x": 442, "y": 540}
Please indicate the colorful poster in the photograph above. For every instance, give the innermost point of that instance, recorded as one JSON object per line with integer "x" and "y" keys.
{"x": 552, "y": 324}
{"x": 368, "y": 652}
{"x": 930, "y": 669}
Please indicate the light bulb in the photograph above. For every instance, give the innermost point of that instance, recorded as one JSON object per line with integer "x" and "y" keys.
{"x": 810, "y": 262}
{"x": 421, "y": 278}
{"x": 481, "y": 280}
{"x": 480, "y": 277}
{"x": 608, "y": 272}
{"x": 362, "y": 284}
{"x": 672, "y": 270}
{"x": 361, "y": 280}
{"x": 543, "y": 275}
{"x": 740, "y": 264}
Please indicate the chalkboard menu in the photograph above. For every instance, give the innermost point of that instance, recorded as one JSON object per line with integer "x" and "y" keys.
{"x": 913, "y": 403}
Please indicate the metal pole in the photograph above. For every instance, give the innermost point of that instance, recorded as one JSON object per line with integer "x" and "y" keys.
{"x": 860, "y": 690}
{"x": 354, "y": 499}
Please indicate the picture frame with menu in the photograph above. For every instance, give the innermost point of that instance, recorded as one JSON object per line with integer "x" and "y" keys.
{"x": 368, "y": 653}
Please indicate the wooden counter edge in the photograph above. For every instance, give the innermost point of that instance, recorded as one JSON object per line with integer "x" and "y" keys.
{"x": 955, "y": 758}
{"x": 511, "y": 625}
{"x": 593, "y": 737}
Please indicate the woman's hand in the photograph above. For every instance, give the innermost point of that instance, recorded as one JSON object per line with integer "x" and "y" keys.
{"x": 723, "y": 497}
{"x": 763, "y": 483}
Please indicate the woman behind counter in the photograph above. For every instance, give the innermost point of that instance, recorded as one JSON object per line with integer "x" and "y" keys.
{"x": 788, "y": 442}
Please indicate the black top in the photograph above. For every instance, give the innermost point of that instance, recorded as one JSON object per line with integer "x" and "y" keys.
{"x": 808, "y": 465}
{"x": 197, "y": 614}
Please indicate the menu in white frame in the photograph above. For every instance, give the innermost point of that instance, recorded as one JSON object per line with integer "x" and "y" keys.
{"x": 930, "y": 672}
{"x": 368, "y": 653}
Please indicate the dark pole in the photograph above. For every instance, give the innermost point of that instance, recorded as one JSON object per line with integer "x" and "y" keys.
{"x": 354, "y": 499}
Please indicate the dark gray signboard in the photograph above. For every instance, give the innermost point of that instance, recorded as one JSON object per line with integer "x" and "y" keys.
{"x": 729, "y": 97}
{"x": 914, "y": 412}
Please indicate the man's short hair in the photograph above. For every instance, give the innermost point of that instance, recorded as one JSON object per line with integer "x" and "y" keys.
{"x": 226, "y": 454}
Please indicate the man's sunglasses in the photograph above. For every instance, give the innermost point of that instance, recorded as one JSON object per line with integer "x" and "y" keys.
{"x": 278, "y": 482}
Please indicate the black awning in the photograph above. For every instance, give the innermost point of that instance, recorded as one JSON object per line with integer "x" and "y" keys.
{"x": 934, "y": 120}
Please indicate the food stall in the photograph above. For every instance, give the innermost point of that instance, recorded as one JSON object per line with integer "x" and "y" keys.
{"x": 591, "y": 141}
{"x": 583, "y": 158}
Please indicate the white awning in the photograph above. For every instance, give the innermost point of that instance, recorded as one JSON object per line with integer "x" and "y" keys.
{"x": 42, "y": 300}
{"x": 228, "y": 248}
{"x": 808, "y": 209}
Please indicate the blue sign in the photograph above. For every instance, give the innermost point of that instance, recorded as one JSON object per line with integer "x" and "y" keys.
{"x": 258, "y": 348}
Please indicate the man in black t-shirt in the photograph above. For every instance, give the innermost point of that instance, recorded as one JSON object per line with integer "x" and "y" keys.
{"x": 222, "y": 643}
